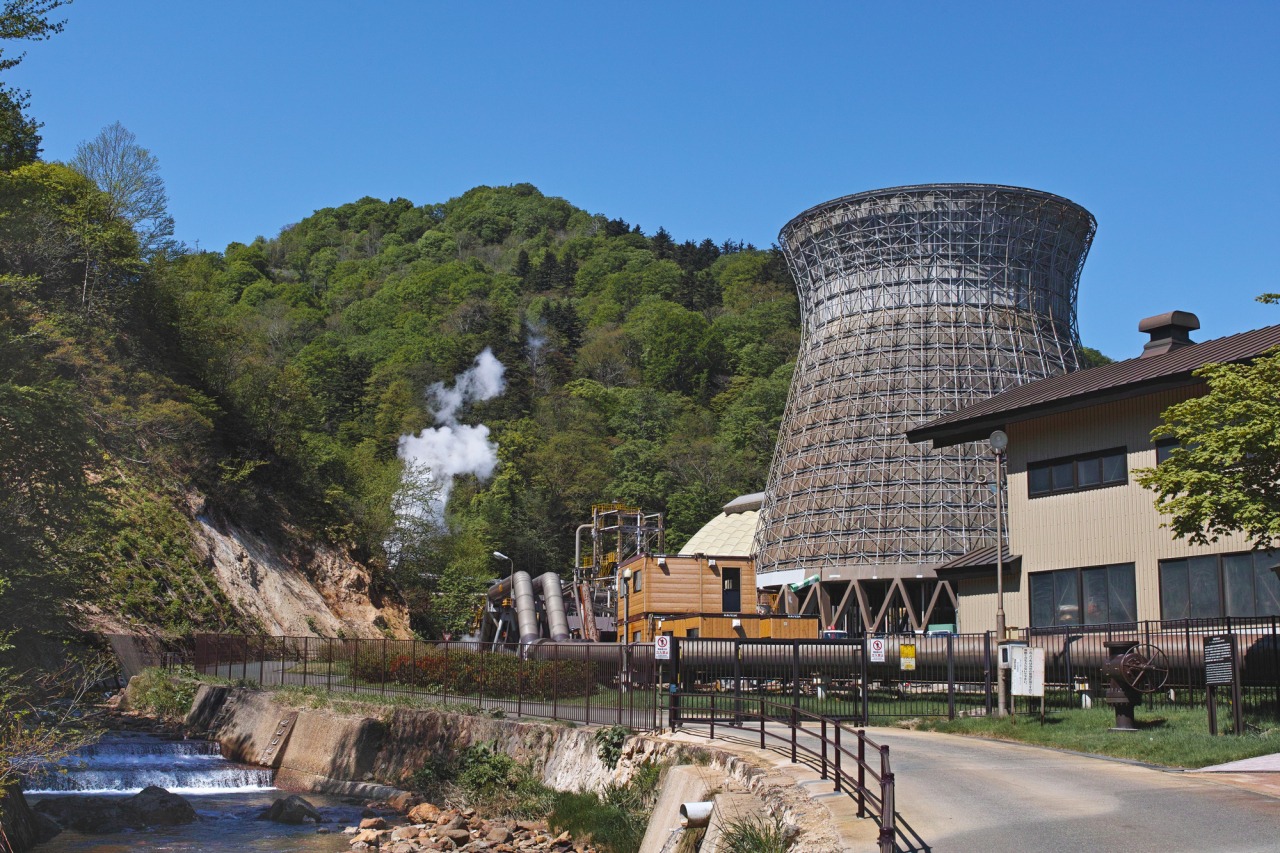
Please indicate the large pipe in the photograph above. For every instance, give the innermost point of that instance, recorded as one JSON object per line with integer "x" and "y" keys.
{"x": 526, "y": 608}
{"x": 553, "y": 601}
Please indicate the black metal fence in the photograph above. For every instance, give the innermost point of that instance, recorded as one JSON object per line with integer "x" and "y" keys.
{"x": 864, "y": 679}
{"x": 605, "y": 684}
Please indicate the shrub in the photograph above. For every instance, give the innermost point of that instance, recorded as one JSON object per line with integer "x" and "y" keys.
{"x": 478, "y": 673}
{"x": 163, "y": 693}
{"x": 609, "y": 744}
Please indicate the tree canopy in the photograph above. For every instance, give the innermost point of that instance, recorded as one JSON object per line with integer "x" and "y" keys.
{"x": 1223, "y": 476}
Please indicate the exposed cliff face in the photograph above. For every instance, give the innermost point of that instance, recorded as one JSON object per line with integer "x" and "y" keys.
{"x": 293, "y": 588}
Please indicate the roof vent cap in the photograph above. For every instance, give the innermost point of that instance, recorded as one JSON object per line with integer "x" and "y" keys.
{"x": 1168, "y": 331}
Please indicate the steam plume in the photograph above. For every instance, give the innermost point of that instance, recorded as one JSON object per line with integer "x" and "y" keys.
{"x": 451, "y": 449}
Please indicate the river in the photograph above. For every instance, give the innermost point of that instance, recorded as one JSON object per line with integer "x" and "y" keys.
{"x": 227, "y": 798}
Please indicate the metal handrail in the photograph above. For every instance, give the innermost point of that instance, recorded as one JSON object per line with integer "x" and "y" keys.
{"x": 880, "y": 804}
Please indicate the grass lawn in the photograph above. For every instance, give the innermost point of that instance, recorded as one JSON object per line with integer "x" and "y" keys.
{"x": 1173, "y": 737}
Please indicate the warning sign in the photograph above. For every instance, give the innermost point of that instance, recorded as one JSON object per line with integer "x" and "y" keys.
{"x": 877, "y": 650}
{"x": 662, "y": 648}
{"x": 907, "y": 656}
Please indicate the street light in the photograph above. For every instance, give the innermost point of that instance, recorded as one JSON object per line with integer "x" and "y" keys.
{"x": 999, "y": 442}
{"x": 626, "y": 627}
{"x": 502, "y": 556}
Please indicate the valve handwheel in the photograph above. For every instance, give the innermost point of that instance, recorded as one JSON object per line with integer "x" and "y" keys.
{"x": 1145, "y": 667}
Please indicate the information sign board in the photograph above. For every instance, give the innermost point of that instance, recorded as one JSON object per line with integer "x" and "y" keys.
{"x": 662, "y": 648}
{"x": 1219, "y": 662}
{"x": 877, "y": 649}
{"x": 907, "y": 656}
{"x": 1026, "y": 671}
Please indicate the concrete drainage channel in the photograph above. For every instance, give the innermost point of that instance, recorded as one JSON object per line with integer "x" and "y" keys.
{"x": 323, "y": 751}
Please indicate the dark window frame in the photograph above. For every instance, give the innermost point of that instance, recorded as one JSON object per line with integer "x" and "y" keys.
{"x": 1052, "y": 576}
{"x": 1223, "y": 596}
{"x": 1076, "y": 460}
{"x": 1164, "y": 448}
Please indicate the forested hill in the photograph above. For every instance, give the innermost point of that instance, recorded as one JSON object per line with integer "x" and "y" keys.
{"x": 638, "y": 369}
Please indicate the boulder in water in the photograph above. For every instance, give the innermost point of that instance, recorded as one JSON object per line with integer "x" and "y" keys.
{"x": 157, "y": 807}
{"x": 293, "y": 810}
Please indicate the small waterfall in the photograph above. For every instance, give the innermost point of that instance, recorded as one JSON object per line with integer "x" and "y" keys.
{"x": 128, "y": 763}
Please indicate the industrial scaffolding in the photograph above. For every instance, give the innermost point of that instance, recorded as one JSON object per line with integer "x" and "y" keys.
{"x": 916, "y": 301}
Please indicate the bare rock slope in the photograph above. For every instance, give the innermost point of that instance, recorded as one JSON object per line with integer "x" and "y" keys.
{"x": 295, "y": 589}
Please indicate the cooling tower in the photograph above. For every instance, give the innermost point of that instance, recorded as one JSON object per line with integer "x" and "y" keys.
{"x": 915, "y": 301}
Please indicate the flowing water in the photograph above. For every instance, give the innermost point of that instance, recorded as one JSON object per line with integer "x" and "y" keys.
{"x": 227, "y": 798}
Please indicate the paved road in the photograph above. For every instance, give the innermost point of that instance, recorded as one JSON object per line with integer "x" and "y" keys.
{"x": 958, "y": 794}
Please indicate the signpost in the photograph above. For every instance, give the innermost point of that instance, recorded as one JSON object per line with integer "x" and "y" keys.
{"x": 877, "y": 649}
{"x": 907, "y": 656}
{"x": 1221, "y": 669}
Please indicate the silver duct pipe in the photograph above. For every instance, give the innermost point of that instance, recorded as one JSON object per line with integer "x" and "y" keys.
{"x": 526, "y": 609}
{"x": 553, "y": 601}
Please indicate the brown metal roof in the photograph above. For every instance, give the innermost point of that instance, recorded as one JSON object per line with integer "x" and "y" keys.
{"x": 978, "y": 563}
{"x": 1102, "y": 384}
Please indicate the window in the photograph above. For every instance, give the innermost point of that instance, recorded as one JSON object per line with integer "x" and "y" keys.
{"x": 1220, "y": 585}
{"x": 635, "y": 582}
{"x": 1098, "y": 595}
{"x": 1078, "y": 473}
{"x": 1164, "y": 449}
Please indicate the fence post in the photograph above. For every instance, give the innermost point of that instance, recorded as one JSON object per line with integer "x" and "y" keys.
{"x": 622, "y": 671}
{"x": 328, "y": 681}
{"x": 886, "y": 803}
{"x": 483, "y": 655}
{"x": 712, "y": 735}
{"x": 520, "y": 665}
{"x": 1186, "y": 627}
{"x": 306, "y": 647}
{"x": 555, "y": 683}
{"x": 951, "y": 677}
{"x": 795, "y": 679}
{"x": 262, "y": 659}
{"x": 839, "y": 783}
{"x": 824, "y": 747}
{"x": 866, "y": 683}
{"x": 986, "y": 689}
{"x": 1275, "y": 662}
{"x": 762, "y": 722}
{"x": 737, "y": 680}
{"x": 862, "y": 773}
{"x": 591, "y": 682}
{"x": 413, "y": 667}
{"x": 384, "y": 665}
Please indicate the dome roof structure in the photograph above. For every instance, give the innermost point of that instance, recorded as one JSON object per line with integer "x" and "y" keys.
{"x": 731, "y": 532}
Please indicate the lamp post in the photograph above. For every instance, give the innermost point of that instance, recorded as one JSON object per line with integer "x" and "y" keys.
{"x": 511, "y": 593}
{"x": 999, "y": 441}
{"x": 626, "y": 626}
{"x": 511, "y": 563}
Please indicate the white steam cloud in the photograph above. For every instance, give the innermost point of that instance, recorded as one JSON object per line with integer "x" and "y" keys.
{"x": 452, "y": 449}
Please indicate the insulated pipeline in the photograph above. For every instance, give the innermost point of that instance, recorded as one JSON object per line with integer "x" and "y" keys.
{"x": 553, "y": 600}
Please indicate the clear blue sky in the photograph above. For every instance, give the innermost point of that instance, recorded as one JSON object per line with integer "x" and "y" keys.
{"x": 718, "y": 120}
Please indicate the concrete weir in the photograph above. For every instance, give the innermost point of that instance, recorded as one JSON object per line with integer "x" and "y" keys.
{"x": 321, "y": 750}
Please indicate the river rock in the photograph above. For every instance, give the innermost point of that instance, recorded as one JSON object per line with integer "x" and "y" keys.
{"x": 424, "y": 813}
{"x": 155, "y": 806}
{"x": 291, "y": 810}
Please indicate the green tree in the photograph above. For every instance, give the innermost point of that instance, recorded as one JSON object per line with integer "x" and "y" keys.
{"x": 1224, "y": 475}
{"x": 19, "y": 133}
{"x": 22, "y": 20}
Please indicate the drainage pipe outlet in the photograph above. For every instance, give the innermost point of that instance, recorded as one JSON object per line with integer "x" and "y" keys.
{"x": 693, "y": 815}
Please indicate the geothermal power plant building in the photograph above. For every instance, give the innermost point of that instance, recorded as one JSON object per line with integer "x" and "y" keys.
{"x": 915, "y": 302}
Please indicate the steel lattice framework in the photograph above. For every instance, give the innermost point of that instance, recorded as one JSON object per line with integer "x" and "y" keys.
{"x": 915, "y": 301}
